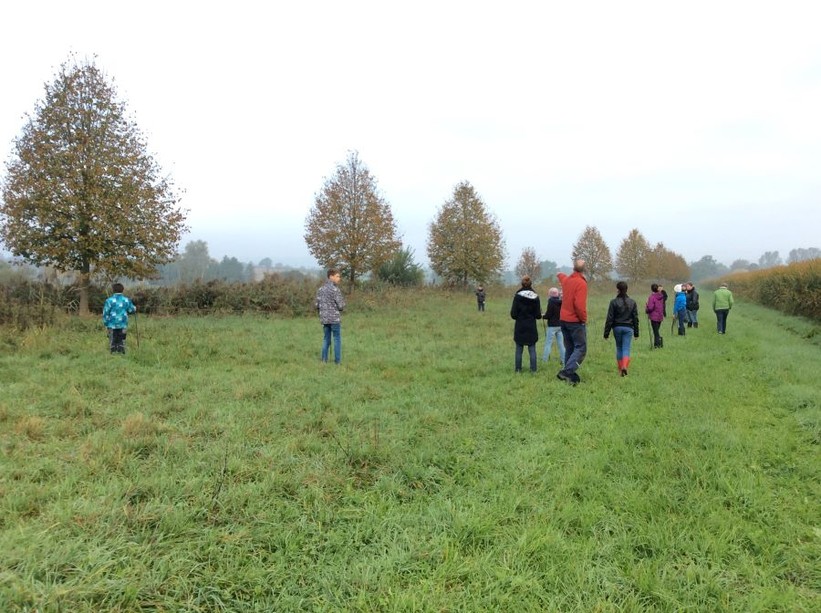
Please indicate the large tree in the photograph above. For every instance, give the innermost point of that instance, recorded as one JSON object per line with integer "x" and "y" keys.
{"x": 464, "y": 240}
{"x": 528, "y": 264}
{"x": 548, "y": 269}
{"x": 666, "y": 265}
{"x": 81, "y": 192}
{"x": 351, "y": 225}
{"x": 769, "y": 259}
{"x": 632, "y": 258}
{"x": 594, "y": 251}
{"x": 194, "y": 263}
{"x": 802, "y": 254}
{"x": 707, "y": 268}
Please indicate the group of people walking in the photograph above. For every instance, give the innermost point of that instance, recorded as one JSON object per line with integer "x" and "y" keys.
{"x": 566, "y": 319}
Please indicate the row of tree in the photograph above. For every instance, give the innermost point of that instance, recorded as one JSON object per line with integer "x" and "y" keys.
{"x": 636, "y": 259}
{"x": 82, "y": 194}
{"x": 351, "y": 226}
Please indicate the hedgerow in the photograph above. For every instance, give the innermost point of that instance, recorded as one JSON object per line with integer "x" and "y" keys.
{"x": 794, "y": 289}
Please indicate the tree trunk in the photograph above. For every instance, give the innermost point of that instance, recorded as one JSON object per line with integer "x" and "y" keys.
{"x": 83, "y": 310}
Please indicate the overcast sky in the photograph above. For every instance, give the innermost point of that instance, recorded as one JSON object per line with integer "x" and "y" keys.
{"x": 699, "y": 123}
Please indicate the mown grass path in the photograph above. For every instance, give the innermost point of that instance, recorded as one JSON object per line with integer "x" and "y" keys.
{"x": 221, "y": 467}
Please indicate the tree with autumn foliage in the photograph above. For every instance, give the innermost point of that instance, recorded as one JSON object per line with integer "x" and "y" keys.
{"x": 632, "y": 258}
{"x": 664, "y": 264}
{"x": 465, "y": 240}
{"x": 81, "y": 192}
{"x": 528, "y": 264}
{"x": 351, "y": 225}
{"x": 591, "y": 248}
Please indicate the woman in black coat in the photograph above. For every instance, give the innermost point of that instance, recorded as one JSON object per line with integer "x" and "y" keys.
{"x": 526, "y": 309}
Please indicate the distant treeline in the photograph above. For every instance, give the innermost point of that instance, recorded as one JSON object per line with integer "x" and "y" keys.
{"x": 794, "y": 289}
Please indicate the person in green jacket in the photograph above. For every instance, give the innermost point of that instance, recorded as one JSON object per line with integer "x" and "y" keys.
{"x": 722, "y": 303}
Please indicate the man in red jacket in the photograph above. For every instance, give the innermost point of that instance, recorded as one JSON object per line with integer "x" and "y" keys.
{"x": 573, "y": 321}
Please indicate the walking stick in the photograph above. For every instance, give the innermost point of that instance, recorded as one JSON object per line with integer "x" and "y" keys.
{"x": 650, "y": 333}
{"x": 136, "y": 330}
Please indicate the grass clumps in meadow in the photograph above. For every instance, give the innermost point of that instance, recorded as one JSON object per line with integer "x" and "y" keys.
{"x": 220, "y": 466}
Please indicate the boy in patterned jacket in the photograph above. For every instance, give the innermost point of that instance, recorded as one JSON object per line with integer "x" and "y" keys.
{"x": 115, "y": 317}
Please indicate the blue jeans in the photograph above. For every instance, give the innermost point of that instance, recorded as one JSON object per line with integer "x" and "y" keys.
{"x": 682, "y": 319}
{"x": 553, "y": 332}
{"x": 624, "y": 338}
{"x": 531, "y": 349}
{"x": 335, "y": 330}
{"x": 692, "y": 317}
{"x": 721, "y": 320}
{"x": 575, "y": 345}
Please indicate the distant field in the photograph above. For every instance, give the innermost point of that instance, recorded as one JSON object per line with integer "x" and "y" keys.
{"x": 220, "y": 467}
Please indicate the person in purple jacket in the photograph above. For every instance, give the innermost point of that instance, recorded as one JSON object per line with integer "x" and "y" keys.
{"x": 655, "y": 312}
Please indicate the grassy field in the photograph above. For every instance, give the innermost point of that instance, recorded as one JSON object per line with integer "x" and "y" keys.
{"x": 219, "y": 466}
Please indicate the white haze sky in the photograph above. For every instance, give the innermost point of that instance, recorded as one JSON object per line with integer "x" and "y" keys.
{"x": 699, "y": 123}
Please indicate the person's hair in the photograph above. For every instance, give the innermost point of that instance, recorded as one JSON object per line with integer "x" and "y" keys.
{"x": 654, "y": 288}
{"x": 526, "y": 282}
{"x": 622, "y": 287}
{"x": 117, "y": 288}
{"x": 332, "y": 272}
{"x": 553, "y": 291}
{"x": 578, "y": 264}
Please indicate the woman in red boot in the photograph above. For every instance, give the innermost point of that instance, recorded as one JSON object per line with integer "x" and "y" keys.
{"x": 623, "y": 320}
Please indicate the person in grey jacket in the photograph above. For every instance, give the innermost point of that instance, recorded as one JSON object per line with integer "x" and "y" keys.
{"x": 329, "y": 305}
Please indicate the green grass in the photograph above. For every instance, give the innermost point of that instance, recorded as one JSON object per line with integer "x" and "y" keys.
{"x": 221, "y": 467}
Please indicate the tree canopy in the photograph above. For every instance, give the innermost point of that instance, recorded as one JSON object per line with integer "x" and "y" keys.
{"x": 402, "y": 270}
{"x": 82, "y": 193}
{"x": 594, "y": 251}
{"x": 351, "y": 225}
{"x": 707, "y": 268}
{"x": 632, "y": 258}
{"x": 464, "y": 240}
{"x": 529, "y": 265}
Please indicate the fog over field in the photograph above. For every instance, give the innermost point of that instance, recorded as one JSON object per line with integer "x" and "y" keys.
{"x": 699, "y": 127}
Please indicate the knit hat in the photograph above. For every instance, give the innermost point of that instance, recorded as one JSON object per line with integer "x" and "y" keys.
{"x": 553, "y": 291}
{"x": 677, "y": 288}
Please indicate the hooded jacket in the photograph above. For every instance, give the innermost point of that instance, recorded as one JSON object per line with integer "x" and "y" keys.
{"x": 655, "y": 307}
{"x": 526, "y": 309}
{"x": 681, "y": 303}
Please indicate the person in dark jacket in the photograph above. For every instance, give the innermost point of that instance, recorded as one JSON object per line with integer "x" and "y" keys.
{"x": 692, "y": 306}
{"x": 480, "y": 298}
{"x": 554, "y": 328}
{"x": 623, "y": 320}
{"x": 526, "y": 309}
{"x": 663, "y": 293}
